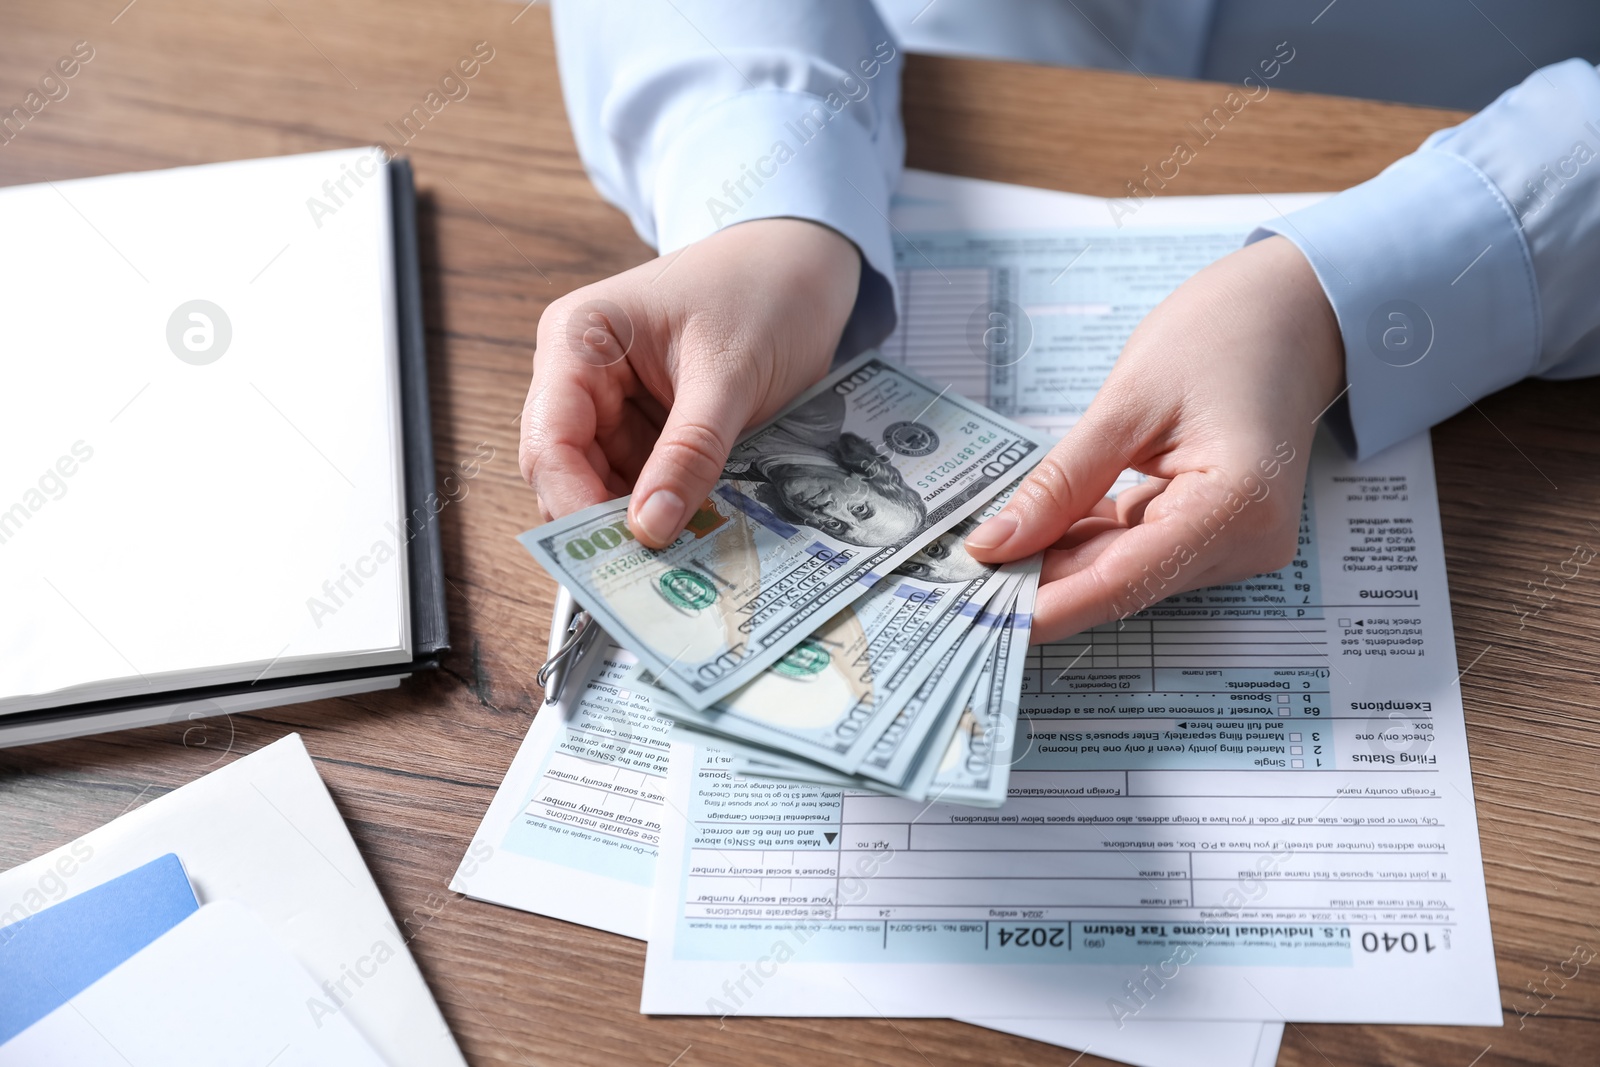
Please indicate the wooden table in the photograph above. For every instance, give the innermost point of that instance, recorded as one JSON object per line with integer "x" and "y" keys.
{"x": 509, "y": 222}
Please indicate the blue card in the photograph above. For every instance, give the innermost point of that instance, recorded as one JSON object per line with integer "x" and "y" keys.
{"x": 53, "y": 955}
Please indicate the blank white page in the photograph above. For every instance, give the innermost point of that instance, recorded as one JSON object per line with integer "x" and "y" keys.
{"x": 175, "y": 512}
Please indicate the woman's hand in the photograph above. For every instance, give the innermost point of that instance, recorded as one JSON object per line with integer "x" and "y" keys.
{"x": 644, "y": 381}
{"x": 1215, "y": 397}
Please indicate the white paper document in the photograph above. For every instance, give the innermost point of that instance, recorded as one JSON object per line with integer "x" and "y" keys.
{"x": 263, "y": 832}
{"x": 216, "y": 989}
{"x": 1246, "y": 802}
{"x": 573, "y": 830}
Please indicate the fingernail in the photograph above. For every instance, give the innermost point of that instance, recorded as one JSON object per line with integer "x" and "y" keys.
{"x": 994, "y": 533}
{"x": 661, "y": 515}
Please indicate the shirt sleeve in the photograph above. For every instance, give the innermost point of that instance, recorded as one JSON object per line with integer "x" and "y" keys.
{"x": 1467, "y": 265}
{"x": 693, "y": 115}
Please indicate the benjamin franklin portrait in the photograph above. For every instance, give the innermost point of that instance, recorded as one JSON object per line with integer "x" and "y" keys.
{"x": 812, "y": 472}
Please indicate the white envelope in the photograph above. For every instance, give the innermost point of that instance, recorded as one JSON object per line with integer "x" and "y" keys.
{"x": 263, "y": 831}
{"x": 215, "y": 989}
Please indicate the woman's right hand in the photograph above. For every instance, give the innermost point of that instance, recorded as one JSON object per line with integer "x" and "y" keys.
{"x": 643, "y": 382}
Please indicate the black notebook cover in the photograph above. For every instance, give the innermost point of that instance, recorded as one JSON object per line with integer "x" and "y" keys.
{"x": 430, "y": 624}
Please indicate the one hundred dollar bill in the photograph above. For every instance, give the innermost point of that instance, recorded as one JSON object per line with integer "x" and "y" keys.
{"x": 831, "y": 696}
{"x": 822, "y": 699}
{"x": 976, "y": 766}
{"x": 965, "y": 758}
{"x": 942, "y": 699}
{"x": 956, "y": 712}
{"x": 892, "y": 755}
{"x": 813, "y": 508}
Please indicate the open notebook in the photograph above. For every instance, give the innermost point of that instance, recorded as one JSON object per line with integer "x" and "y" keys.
{"x": 216, "y": 475}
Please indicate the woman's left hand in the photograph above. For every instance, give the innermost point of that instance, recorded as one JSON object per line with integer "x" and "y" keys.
{"x": 1215, "y": 397}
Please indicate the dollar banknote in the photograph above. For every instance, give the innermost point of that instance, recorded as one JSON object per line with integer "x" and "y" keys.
{"x": 821, "y": 701}
{"x": 976, "y": 765}
{"x": 957, "y": 710}
{"x": 813, "y": 509}
{"x": 965, "y": 755}
{"x": 894, "y": 753}
{"x": 949, "y": 765}
{"x": 831, "y": 696}
{"x": 897, "y": 751}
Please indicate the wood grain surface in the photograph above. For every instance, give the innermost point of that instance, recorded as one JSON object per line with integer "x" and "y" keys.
{"x": 509, "y": 221}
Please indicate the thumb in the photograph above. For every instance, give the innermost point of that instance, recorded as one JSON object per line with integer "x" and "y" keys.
{"x": 1063, "y": 488}
{"x": 705, "y": 421}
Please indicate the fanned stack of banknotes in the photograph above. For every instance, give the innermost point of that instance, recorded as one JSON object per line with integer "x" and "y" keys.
{"x": 819, "y": 617}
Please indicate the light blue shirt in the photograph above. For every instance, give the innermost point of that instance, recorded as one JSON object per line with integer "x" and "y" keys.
{"x": 1462, "y": 268}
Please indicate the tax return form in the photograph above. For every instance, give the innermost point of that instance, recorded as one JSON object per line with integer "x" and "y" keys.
{"x": 573, "y": 833}
{"x": 1248, "y": 802}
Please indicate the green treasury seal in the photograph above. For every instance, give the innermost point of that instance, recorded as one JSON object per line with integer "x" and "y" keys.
{"x": 686, "y": 590}
{"x": 803, "y": 660}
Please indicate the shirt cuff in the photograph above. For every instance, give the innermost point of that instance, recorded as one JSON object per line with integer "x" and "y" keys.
{"x": 771, "y": 153}
{"x": 1433, "y": 287}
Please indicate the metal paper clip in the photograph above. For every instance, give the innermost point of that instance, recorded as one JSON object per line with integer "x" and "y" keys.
{"x": 557, "y": 668}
